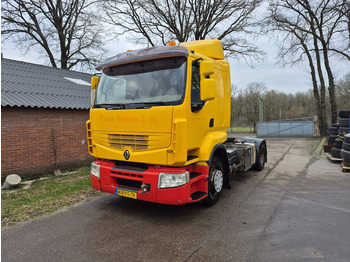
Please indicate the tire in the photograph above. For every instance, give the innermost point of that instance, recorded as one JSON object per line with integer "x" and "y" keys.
{"x": 331, "y": 139}
{"x": 345, "y": 154}
{"x": 347, "y": 138}
{"x": 335, "y": 152}
{"x": 335, "y": 125}
{"x": 343, "y": 130}
{"x": 260, "y": 164}
{"x": 344, "y": 122}
{"x": 332, "y": 130}
{"x": 346, "y": 162}
{"x": 338, "y": 143}
{"x": 215, "y": 183}
{"x": 344, "y": 113}
{"x": 346, "y": 146}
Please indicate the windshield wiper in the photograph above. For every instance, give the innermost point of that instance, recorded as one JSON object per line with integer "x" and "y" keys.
{"x": 156, "y": 103}
{"x": 146, "y": 105}
{"x": 110, "y": 106}
{"x": 141, "y": 105}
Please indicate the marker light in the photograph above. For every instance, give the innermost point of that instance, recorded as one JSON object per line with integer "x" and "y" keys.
{"x": 172, "y": 43}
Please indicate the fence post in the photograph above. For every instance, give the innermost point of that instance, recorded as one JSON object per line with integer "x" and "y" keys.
{"x": 261, "y": 110}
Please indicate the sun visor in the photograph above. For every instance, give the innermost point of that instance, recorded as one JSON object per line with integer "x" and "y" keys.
{"x": 144, "y": 54}
{"x": 210, "y": 48}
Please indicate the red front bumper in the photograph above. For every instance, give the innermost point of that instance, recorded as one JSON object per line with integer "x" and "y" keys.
{"x": 112, "y": 177}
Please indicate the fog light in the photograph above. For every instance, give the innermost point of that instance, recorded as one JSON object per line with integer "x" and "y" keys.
{"x": 95, "y": 170}
{"x": 172, "y": 180}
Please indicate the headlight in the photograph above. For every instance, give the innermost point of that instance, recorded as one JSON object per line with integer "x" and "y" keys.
{"x": 95, "y": 169}
{"x": 172, "y": 180}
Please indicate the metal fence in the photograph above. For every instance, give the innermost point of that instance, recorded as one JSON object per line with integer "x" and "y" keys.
{"x": 298, "y": 127}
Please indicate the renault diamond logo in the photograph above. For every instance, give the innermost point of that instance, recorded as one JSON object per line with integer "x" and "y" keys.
{"x": 126, "y": 154}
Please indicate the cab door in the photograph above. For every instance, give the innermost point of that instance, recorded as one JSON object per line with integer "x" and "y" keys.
{"x": 201, "y": 114}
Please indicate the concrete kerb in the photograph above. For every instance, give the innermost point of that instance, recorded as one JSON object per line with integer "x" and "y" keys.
{"x": 319, "y": 148}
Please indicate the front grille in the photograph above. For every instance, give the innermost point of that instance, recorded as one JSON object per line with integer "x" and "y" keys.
{"x": 136, "y": 142}
{"x": 122, "y": 178}
{"x": 127, "y": 175}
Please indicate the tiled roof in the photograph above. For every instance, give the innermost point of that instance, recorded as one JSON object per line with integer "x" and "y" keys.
{"x": 31, "y": 85}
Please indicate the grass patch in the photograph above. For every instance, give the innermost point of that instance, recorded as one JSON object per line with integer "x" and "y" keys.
{"x": 45, "y": 196}
{"x": 241, "y": 130}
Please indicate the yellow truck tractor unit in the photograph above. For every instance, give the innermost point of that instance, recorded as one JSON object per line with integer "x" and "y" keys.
{"x": 158, "y": 125}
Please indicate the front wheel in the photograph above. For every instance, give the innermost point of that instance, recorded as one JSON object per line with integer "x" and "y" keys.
{"x": 215, "y": 183}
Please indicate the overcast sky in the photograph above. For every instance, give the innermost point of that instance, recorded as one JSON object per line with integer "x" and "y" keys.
{"x": 287, "y": 80}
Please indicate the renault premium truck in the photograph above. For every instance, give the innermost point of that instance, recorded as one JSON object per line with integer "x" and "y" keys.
{"x": 158, "y": 125}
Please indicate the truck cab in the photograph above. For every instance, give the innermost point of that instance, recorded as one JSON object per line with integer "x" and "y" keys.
{"x": 158, "y": 124}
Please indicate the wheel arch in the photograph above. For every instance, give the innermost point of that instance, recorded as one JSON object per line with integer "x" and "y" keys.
{"x": 220, "y": 151}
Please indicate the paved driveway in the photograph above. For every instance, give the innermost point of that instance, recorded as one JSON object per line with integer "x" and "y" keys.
{"x": 296, "y": 209}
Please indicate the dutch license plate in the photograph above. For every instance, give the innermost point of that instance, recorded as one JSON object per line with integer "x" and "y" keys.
{"x": 125, "y": 193}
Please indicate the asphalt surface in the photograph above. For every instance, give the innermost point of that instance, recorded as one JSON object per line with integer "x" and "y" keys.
{"x": 296, "y": 209}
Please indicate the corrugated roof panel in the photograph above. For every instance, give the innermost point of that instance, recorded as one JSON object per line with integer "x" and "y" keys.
{"x": 46, "y": 101}
{"x": 31, "y": 85}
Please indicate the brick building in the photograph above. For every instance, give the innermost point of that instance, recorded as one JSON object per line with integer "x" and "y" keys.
{"x": 40, "y": 105}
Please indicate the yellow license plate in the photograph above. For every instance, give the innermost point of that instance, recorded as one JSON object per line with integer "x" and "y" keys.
{"x": 125, "y": 193}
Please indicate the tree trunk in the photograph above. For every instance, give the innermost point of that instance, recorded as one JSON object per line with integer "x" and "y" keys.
{"x": 331, "y": 87}
{"x": 319, "y": 100}
{"x": 321, "y": 106}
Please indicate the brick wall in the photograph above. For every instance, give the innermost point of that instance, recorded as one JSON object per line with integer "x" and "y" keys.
{"x": 27, "y": 146}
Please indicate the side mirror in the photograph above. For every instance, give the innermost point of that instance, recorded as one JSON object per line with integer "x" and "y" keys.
{"x": 206, "y": 68}
{"x": 207, "y": 84}
{"x": 207, "y": 89}
{"x": 94, "y": 82}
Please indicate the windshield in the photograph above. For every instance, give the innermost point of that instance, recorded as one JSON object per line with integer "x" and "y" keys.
{"x": 151, "y": 83}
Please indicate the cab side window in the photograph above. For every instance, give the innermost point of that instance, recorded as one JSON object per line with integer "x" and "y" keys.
{"x": 196, "y": 102}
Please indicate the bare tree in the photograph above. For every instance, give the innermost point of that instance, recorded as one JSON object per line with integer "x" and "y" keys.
{"x": 67, "y": 31}
{"x": 343, "y": 30}
{"x": 237, "y": 106}
{"x": 252, "y": 93}
{"x": 277, "y": 105}
{"x": 310, "y": 31}
{"x": 245, "y": 104}
{"x": 159, "y": 21}
{"x": 325, "y": 19}
{"x": 294, "y": 46}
